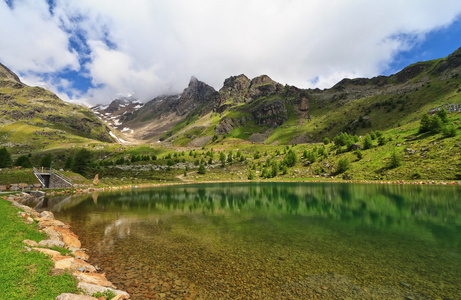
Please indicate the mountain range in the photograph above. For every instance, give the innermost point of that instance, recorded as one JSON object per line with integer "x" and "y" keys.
{"x": 264, "y": 111}
{"x": 257, "y": 110}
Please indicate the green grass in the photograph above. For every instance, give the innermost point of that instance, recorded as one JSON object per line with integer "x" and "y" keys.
{"x": 8, "y": 176}
{"x": 26, "y": 275}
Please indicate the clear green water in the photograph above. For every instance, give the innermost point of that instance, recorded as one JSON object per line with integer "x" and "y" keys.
{"x": 274, "y": 240}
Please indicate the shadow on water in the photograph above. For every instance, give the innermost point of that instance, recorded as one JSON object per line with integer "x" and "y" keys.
{"x": 271, "y": 235}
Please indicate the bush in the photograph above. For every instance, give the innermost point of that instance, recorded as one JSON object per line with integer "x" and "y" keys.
{"x": 443, "y": 115}
{"x": 69, "y": 163}
{"x": 251, "y": 175}
{"x": 450, "y": 131}
{"x": 343, "y": 165}
{"x": 82, "y": 161}
{"x": 326, "y": 141}
{"x": 382, "y": 140}
{"x": 290, "y": 158}
{"x": 436, "y": 124}
{"x": 359, "y": 154}
{"x": 275, "y": 169}
{"x": 23, "y": 161}
{"x": 416, "y": 175}
{"x": 395, "y": 160}
{"x": 323, "y": 152}
{"x": 367, "y": 142}
{"x": 311, "y": 156}
{"x": 424, "y": 124}
{"x": 46, "y": 161}
{"x": 201, "y": 169}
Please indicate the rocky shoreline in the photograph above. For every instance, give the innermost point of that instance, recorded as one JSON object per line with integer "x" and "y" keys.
{"x": 59, "y": 234}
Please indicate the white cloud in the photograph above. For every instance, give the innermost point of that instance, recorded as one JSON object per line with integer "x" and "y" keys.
{"x": 32, "y": 40}
{"x": 158, "y": 45}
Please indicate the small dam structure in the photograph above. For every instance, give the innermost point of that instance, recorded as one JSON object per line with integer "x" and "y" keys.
{"x": 52, "y": 179}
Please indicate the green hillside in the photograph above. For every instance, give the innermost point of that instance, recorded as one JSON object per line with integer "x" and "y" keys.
{"x": 34, "y": 118}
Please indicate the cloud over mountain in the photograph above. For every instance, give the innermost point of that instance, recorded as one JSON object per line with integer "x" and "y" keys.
{"x": 95, "y": 49}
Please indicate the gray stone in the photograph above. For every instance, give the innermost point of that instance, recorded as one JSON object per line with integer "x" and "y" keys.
{"x": 47, "y": 214}
{"x": 30, "y": 243}
{"x": 68, "y": 296}
{"x": 51, "y": 243}
{"x": 356, "y": 146}
{"x": 13, "y": 187}
{"x": 409, "y": 151}
{"x": 90, "y": 289}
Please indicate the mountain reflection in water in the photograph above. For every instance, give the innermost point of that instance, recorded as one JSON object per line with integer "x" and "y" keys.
{"x": 274, "y": 240}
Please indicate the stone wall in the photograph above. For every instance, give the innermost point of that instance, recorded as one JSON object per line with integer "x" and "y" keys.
{"x": 57, "y": 183}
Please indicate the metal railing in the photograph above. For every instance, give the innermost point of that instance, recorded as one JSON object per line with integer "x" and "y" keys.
{"x": 39, "y": 176}
{"x": 62, "y": 176}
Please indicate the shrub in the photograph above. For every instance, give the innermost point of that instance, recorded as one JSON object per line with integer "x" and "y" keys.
{"x": 343, "y": 165}
{"x": 395, "y": 160}
{"x": 424, "y": 124}
{"x": 46, "y": 161}
{"x": 23, "y": 161}
{"x": 290, "y": 158}
{"x": 450, "y": 131}
{"x": 323, "y": 152}
{"x": 443, "y": 115}
{"x": 201, "y": 169}
{"x": 284, "y": 170}
{"x": 326, "y": 141}
{"x": 435, "y": 124}
{"x": 382, "y": 140}
{"x": 82, "y": 161}
{"x": 275, "y": 169}
{"x": 311, "y": 156}
{"x": 367, "y": 142}
{"x": 251, "y": 175}
{"x": 69, "y": 163}
{"x": 359, "y": 154}
{"x": 416, "y": 175}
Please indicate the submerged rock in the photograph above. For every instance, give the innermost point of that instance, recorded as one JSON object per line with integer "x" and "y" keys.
{"x": 90, "y": 289}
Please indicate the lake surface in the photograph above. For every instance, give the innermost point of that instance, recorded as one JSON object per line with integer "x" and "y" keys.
{"x": 274, "y": 240}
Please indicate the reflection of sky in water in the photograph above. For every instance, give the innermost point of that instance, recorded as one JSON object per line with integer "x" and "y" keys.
{"x": 376, "y": 233}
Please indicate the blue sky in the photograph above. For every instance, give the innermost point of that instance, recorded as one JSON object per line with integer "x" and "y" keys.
{"x": 93, "y": 51}
{"x": 436, "y": 44}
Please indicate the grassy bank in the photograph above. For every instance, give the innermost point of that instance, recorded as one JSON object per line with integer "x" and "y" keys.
{"x": 26, "y": 275}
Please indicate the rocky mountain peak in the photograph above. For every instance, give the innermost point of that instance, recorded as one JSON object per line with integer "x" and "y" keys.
{"x": 263, "y": 86}
{"x": 6, "y": 73}
{"x": 236, "y": 83}
{"x": 196, "y": 94}
{"x": 263, "y": 79}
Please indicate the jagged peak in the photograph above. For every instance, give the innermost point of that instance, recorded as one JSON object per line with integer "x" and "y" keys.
{"x": 262, "y": 79}
{"x": 193, "y": 80}
{"x": 239, "y": 82}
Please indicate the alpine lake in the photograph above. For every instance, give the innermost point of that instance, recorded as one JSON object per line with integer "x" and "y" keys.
{"x": 273, "y": 240}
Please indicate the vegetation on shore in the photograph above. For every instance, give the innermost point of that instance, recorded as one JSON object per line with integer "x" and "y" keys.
{"x": 404, "y": 153}
{"x": 26, "y": 275}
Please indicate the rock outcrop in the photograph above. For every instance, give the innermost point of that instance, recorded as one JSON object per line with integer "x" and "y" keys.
{"x": 6, "y": 73}
{"x": 198, "y": 95}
